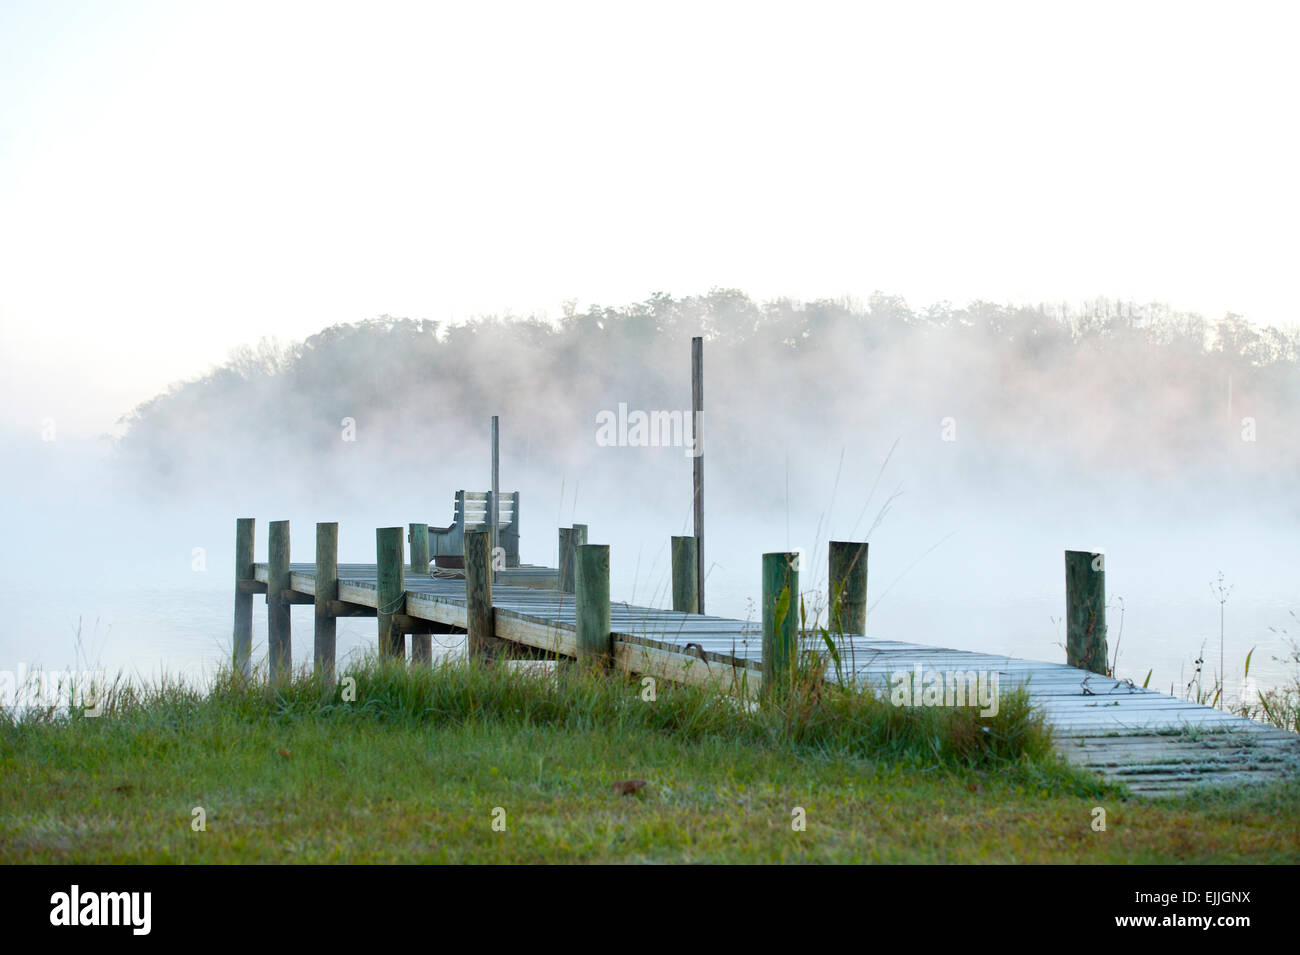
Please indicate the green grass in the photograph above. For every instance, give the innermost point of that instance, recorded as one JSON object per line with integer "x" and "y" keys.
{"x": 412, "y": 769}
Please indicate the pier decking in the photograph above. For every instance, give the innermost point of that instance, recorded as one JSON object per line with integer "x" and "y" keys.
{"x": 1151, "y": 741}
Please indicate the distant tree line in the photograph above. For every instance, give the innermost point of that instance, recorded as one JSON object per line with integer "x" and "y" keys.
{"x": 1109, "y": 384}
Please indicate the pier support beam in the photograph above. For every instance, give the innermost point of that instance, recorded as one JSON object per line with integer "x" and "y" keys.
{"x": 327, "y": 590}
{"x": 242, "y": 650}
{"x": 279, "y": 643}
{"x": 480, "y": 619}
{"x": 391, "y": 589}
{"x": 1085, "y": 610}
{"x": 685, "y": 575}
{"x": 848, "y": 587}
{"x": 419, "y": 538}
{"x": 591, "y": 600}
{"x": 780, "y": 636}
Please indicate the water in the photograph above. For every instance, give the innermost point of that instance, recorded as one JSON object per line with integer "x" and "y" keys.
{"x": 89, "y": 581}
{"x": 184, "y": 630}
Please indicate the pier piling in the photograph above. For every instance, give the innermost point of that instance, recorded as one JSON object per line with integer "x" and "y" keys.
{"x": 1085, "y": 610}
{"x": 419, "y": 539}
{"x": 848, "y": 587}
{"x": 479, "y": 617}
{"x": 327, "y": 590}
{"x": 243, "y": 643}
{"x": 391, "y": 589}
{"x": 571, "y": 538}
{"x": 279, "y": 642}
{"x": 591, "y": 601}
{"x": 685, "y": 575}
{"x": 780, "y": 636}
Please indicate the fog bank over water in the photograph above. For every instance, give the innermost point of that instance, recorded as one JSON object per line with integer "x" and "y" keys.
{"x": 993, "y": 438}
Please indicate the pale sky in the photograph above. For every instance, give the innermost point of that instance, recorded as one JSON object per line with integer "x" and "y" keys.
{"x": 177, "y": 179}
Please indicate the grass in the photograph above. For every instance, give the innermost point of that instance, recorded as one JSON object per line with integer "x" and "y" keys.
{"x": 415, "y": 766}
{"x": 1280, "y": 705}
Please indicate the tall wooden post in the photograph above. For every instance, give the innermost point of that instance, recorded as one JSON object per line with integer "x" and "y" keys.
{"x": 279, "y": 642}
{"x": 697, "y": 426}
{"x": 480, "y": 620}
{"x": 1085, "y": 610}
{"x": 494, "y": 502}
{"x": 591, "y": 602}
{"x": 848, "y": 587}
{"x": 780, "y": 638}
{"x": 327, "y": 589}
{"x": 685, "y": 575}
{"x": 419, "y": 538}
{"x": 391, "y": 589}
{"x": 242, "y": 651}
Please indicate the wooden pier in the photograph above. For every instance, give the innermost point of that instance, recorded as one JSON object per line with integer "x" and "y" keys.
{"x": 1151, "y": 741}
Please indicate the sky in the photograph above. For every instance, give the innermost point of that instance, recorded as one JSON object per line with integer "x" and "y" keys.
{"x": 180, "y": 179}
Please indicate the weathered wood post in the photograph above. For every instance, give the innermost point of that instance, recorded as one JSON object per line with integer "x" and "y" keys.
{"x": 494, "y": 499}
{"x": 279, "y": 640}
{"x": 419, "y": 538}
{"x": 848, "y": 587}
{"x": 780, "y": 637}
{"x": 685, "y": 578}
{"x": 480, "y": 620}
{"x": 242, "y": 651}
{"x": 391, "y": 589}
{"x": 327, "y": 590}
{"x": 564, "y": 564}
{"x": 591, "y": 603}
{"x": 421, "y": 641}
{"x": 421, "y": 649}
{"x": 1085, "y": 610}
{"x": 697, "y": 433}
{"x": 571, "y": 538}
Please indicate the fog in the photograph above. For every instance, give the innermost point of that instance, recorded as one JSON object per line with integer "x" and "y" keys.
{"x": 970, "y": 445}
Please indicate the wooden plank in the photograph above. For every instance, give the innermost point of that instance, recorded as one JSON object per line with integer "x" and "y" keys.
{"x": 338, "y": 608}
{"x": 554, "y": 638}
{"x": 364, "y": 593}
{"x": 421, "y": 627}
{"x": 686, "y": 668}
